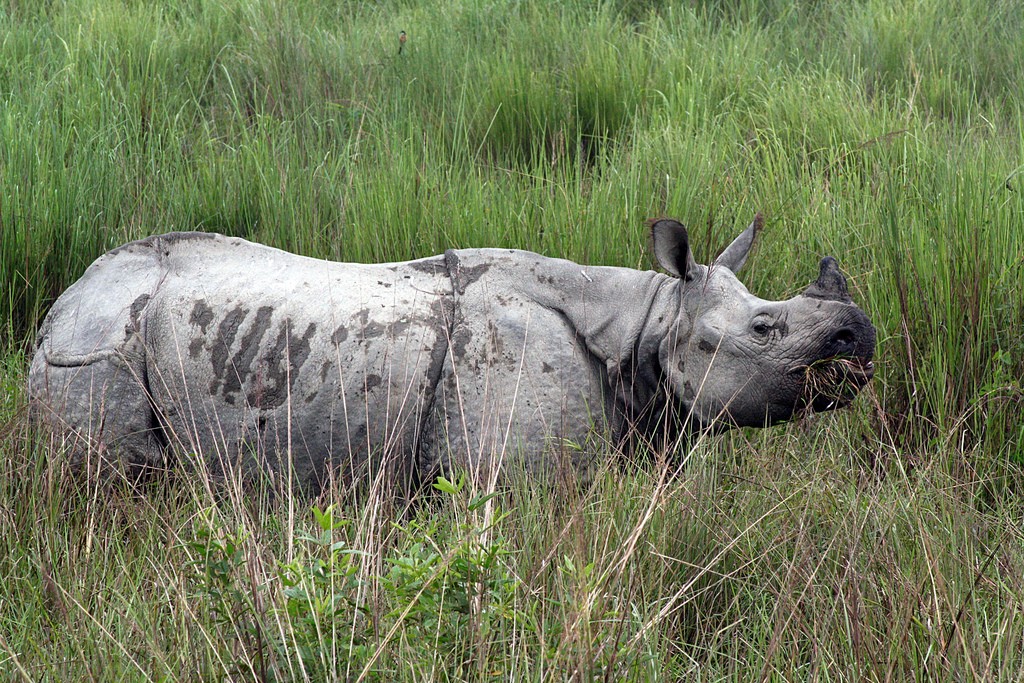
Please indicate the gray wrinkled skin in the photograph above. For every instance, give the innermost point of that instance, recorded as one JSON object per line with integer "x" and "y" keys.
{"x": 239, "y": 355}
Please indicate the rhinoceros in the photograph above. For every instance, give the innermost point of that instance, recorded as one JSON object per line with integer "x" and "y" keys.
{"x": 208, "y": 349}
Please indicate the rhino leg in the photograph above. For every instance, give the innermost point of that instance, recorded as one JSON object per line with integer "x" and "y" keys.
{"x": 87, "y": 382}
{"x": 101, "y": 412}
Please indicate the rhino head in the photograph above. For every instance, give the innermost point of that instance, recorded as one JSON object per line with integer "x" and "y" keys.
{"x": 733, "y": 359}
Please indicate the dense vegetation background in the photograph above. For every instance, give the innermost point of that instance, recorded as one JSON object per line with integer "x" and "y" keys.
{"x": 885, "y": 542}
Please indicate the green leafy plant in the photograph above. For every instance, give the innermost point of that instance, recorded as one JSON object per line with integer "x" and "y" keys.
{"x": 452, "y": 585}
{"x": 226, "y": 583}
{"x": 329, "y": 624}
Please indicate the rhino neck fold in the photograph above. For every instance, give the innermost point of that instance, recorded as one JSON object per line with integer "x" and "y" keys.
{"x": 608, "y": 308}
{"x": 621, "y": 315}
{"x": 617, "y": 316}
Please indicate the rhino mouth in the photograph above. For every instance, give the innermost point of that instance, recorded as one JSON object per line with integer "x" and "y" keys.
{"x": 833, "y": 383}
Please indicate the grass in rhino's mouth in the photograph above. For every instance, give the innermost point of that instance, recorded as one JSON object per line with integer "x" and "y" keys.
{"x": 834, "y": 382}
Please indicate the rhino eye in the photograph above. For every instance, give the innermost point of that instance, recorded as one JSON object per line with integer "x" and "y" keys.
{"x": 761, "y": 328}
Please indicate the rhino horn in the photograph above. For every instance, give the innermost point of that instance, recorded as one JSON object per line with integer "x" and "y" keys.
{"x": 830, "y": 285}
{"x": 735, "y": 255}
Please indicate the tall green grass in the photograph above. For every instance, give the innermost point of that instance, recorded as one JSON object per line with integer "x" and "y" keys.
{"x": 780, "y": 567}
{"x": 884, "y": 543}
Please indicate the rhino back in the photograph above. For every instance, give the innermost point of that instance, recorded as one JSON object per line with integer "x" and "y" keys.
{"x": 255, "y": 354}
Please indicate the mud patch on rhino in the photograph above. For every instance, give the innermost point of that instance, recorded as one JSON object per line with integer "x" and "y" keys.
{"x": 222, "y": 343}
{"x": 242, "y": 361}
{"x": 460, "y": 337}
{"x": 365, "y": 329}
{"x": 202, "y": 315}
{"x": 372, "y": 329}
{"x": 461, "y": 276}
{"x": 339, "y": 335}
{"x": 432, "y": 266}
{"x": 398, "y": 328}
{"x": 134, "y": 313}
{"x": 160, "y": 242}
{"x": 325, "y": 370}
{"x": 497, "y": 344}
{"x": 284, "y": 360}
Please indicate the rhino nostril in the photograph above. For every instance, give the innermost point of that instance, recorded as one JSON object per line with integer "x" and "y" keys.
{"x": 844, "y": 341}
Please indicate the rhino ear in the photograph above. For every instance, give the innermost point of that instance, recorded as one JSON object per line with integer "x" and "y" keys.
{"x": 735, "y": 255}
{"x": 672, "y": 247}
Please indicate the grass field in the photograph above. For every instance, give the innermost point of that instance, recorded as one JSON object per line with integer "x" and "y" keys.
{"x": 882, "y": 543}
